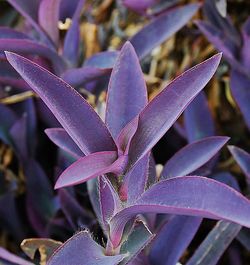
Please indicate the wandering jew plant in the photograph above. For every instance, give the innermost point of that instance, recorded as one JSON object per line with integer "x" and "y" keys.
{"x": 114, "y": 157}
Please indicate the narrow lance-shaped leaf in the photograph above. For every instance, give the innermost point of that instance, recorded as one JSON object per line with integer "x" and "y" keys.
{"x": 135, "y": 181}
{"x": 82, "y": 249}
{"x": 245, "y": 53}
{"x": 214, "y": 36}
{"x": 109, "y": 201}
{"x": 198, "y": 119}
{"x": 127, "y": 92}
{"x": 102, "y": 60}
{"x": 13, "y": 259}
{"x": 86, "y": 168}
{"x": 79, "y": 76}
{"x": 74, "y": 213}
{"x": 139, "y": 238}
{"x": 71, "y": 43}
{"x": 239, "y": 84}
{"x": 161, "y": 28}
{"x": 93, "y": 186}
{"x": 160, "y": 114}
{"x": 61, "y": 138}
{"x": 7, "y": 119}
{"x": 72, "y": 38}
{"x": 31, "y": 47}
{"x": 74, "y": 113}
{"x": 18, "y": 133}
{"x": 172, "y": 239}
{"x": 222, "y": 44}
{"x": 242, "y": 158}
{"x": 40, "y": 200}
{"x": 29, "y": 9}
{"x": 193, "y": 156}
{"x": 8, "y": 33}
{"x": 48, "y": 17}
{"x": 224, "y": 25}
{"x": 192, "y": 195}
{"x": 214, "y": 245}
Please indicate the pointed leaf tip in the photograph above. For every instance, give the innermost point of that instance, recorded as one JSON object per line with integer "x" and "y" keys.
{"x": 74, "y": 113}
{"x": 161, "y": 113}
{"x": 126, "y": 86}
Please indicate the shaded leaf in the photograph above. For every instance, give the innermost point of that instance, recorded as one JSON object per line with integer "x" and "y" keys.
{"x": 193, "y": 156}
{"x": 198, "y": 119}
{"x": 172, "y": 239}
{"x": 161, "y": 28}
{"x": 242, "y": 158}
{"x": 214, "y": 245}
{"x": 61, "y": 138}
{"x": 48, "y": 17}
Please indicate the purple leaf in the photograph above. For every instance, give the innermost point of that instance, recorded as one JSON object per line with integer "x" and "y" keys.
{"x": 227, "y": 179}
{"x": 87, "y": 167}
{"x": 193, "y": 156}
{"x": 222, "y": 44}
{"x": 192, "y": 195}
{"x": 125, "y": 137}
{"x": 245, "y": 53}
{"x": 10, "y": 219}
{"x": 161, "y": 28}
{"x": 71, "y": 43}
{"x": 160, "y": 114}
{"x": 7, "y": 119}
{"x": 135, "y": 181}
{"x": 75, "y": 214}
{"x": 8, "y": 33}
{"x": 239, "y": 84}
{"x": 72, "y": 38}
{"x": 214, "y": 245}
{"x": 29, "y": 108}
{"x": 18, "y": 133}
{"x": 93, "y": 186}
{"x": 79, "y": 76}
{"x": 172, "y": 240}
{"x": 198, "y": 119}
{"x": 103, "y": 60}
{"x": 48, "y": 17}
{"x": 40, "y": 201}
{"x": 29, "y": 9}
{"x": 61, "y": 138}
{"x": 109, "y": 201}
{"x": 74, "y": 113}
{"x": 68, "y": 8}
{"x": 7, "y": 256}
{"x": 242, "y": 158}
{"x": 139, "y": 238}
{"x": 31, "y": 47}
{"x": 227, "y": 31}
{"x": 82, "y": 249}
{"x": 126, "y": 86}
